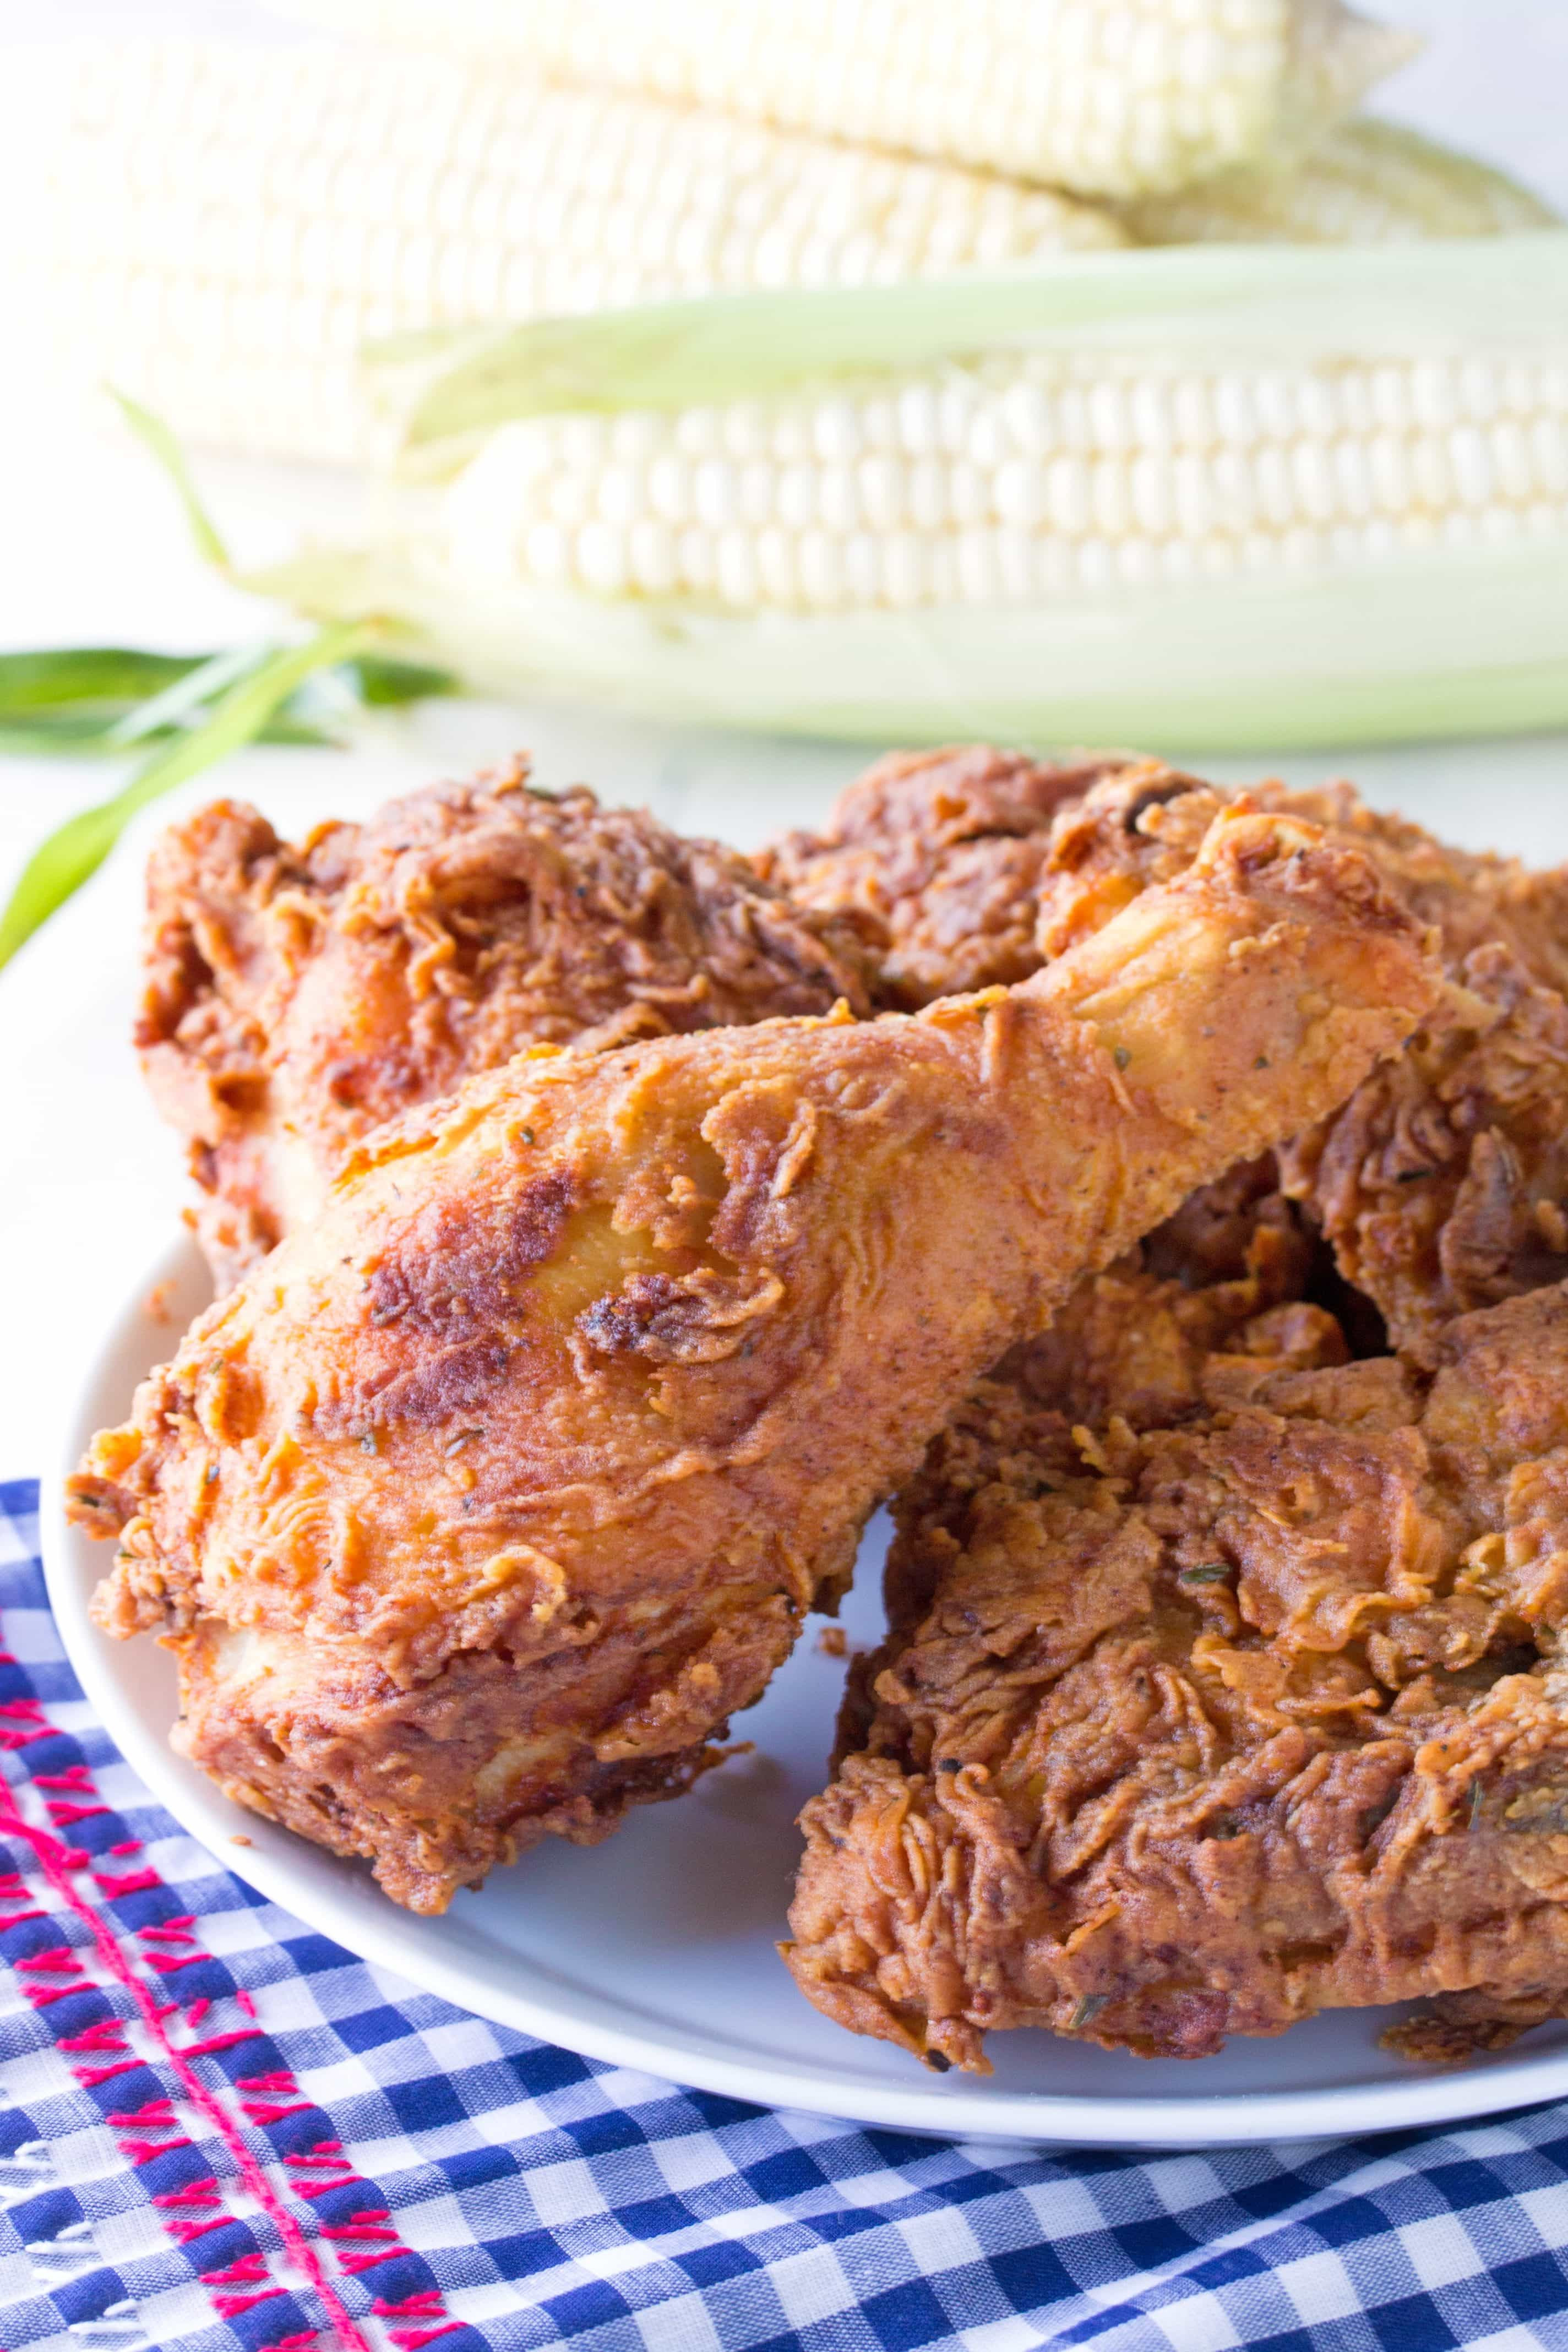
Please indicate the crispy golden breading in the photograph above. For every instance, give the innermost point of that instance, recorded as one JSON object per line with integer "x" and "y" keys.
{"x": 943, "y": 851}
{"x": 1228, "y": 1271}
{"x": 1442, "y": 1184}
{"x": 1064, "y": 1883}
{"x": 298, "y": 996}
{"x": 982, "y": 865}
{"x": 485, "y": 1501}
{"x": 1127, "y": 832}
{"x": 1194, "y": 1732}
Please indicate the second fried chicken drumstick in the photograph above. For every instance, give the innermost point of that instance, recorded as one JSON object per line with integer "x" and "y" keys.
{"x": 483, "y": 1502}
{"x": 297, "y": 996}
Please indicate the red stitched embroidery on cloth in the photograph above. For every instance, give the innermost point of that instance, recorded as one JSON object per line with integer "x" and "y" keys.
{"x": 100, "y": 2052}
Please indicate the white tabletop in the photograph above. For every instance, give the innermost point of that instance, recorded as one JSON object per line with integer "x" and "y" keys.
{"x": 89, "y": 1185}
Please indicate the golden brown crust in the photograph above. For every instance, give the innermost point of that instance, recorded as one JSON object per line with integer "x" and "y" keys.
{"x": 1228, "y": 1274}
{"x": 1124, "y": 835}
{"x": 1190, "y": 1391}
{"x": 944, "y": 851}
{"x": 297, "y": 996}
{"x": 982, "y": 865}
{"x": 593, "y": 1373}
{"x": 422, "y": 1776}
{"x": 1442, "y": 1184}
{"x": 1192, "y": 1732}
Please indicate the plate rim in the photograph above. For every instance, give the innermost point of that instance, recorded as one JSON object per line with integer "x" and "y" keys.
{"x": 393, "y": 1941}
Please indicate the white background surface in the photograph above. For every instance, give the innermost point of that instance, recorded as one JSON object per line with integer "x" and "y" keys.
{"x": 91, "y": 550}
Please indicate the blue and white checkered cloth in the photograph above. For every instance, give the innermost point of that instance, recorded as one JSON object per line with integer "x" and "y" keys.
{"x": 220, "y": 2132}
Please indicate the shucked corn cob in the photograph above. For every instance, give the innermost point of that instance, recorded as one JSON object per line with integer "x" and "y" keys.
{"x": 1364, "y": 183}
{"x": 1021, "y": 478}
{"x": 1108, "y": 98}
{"x": 220, "y": 228}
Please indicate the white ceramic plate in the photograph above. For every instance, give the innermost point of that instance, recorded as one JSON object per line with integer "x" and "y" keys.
{"x": 657, "y": 1950}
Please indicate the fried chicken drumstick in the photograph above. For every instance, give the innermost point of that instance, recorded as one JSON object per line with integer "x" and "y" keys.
{"x": 296, "y": 997}
{"x": 1442, "y": 1184}
{"x": 1195, "y": 1732}
{"x": 487, "y": 1498}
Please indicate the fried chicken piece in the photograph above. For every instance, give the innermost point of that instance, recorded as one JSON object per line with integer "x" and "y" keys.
{"x": 1195, "y": 1732}
{"x": 1131, "y": 830}
{"x": 1442, "y": 1184}
{"x": 298, "y": 996}
{"x": 478, "y": 1508}
{"x": 1228, "y": 1271}
{"x": 953, "y": 852}
{"x": 945, "y": 851}
{"x": 982, "y": 865}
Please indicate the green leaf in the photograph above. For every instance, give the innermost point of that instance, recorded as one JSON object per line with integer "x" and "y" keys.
{"x": 91, "y": 701}
{"x": 58, "y": 735}
{"x": 302, "y": 734}
{"x": 239, "y": 716}
{"x": 74, "y": 851}
{"x": 94, "y": 702}
{"x": 382, "y": 684}
{"x": 73, "y": 735}
{"x": 101, "y": 677}
{"x": 185, "y": 694}
{"x": 51, "y": 705}
{"x": 155, "y": 436}
{"x": 1223, "y": 300}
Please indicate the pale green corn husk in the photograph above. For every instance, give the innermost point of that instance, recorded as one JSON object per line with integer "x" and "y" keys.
{"x": 1474, "y": 643}
{"x": 1152, "y": 307}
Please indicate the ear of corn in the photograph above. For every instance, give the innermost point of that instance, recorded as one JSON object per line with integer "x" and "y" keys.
{"x": 1018, "y": 477}
{"x": 1212, "y": 527}
{"x": 1364, "y": 183}
{"x": 220, "y": 228}
{"x": 1107, "y": 98}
